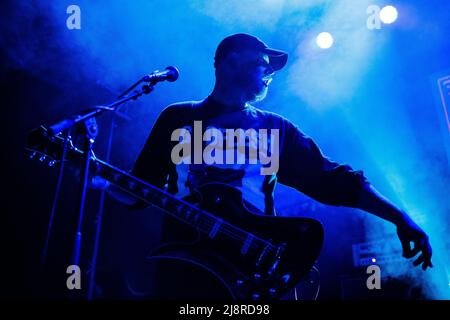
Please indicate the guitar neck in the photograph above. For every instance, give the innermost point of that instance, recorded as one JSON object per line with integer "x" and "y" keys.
{"x": 39, "y": 141}
{"x": 182, "y": 210}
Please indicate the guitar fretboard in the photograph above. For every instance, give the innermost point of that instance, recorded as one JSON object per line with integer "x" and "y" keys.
{"x": 205, "y": 222}
{"x": 188, "y": 213}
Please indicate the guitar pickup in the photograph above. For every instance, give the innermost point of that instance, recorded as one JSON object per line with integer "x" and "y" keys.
{"x": 278, "y": 254}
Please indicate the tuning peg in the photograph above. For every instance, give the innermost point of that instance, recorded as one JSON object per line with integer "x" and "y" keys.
{"x": 255, "y": 296}
{"x": 51, "y": 163}
{"x": 42, "y": 158}
{"x": 32, "y": 155}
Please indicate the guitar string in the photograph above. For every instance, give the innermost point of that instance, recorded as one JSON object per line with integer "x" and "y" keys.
{"x": 231, "y": 229}
{"x": 226, "y": 229}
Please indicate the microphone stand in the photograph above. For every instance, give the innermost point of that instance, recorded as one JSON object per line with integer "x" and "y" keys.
{"x": 89, "y": 130}
{"x": 99, "y": 217}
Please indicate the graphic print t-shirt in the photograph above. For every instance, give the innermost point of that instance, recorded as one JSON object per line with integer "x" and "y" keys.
{"x": 301, "y": 164}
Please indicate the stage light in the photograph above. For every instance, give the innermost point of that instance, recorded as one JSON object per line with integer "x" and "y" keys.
{"x": 388, "y": 14}
{"x": 374, "y": 260}
{"x": 324, "y": 40}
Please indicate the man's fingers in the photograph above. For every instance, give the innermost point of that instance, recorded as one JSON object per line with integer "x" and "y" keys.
{"x": 427, "y": 248}
{"x": 418, "y": 246}
{"x": 427, "y": 264}
{"x": 421, "y": 244}
{"x": 428, "y": 252}
{"x": 406, "y": 246}
{"x": 419, "y": 260}
{"x": 425, "y": 257}
{"x": 408, "y": 253}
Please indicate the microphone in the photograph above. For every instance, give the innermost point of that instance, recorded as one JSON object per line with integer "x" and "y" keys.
{"x": 170, "y": 74}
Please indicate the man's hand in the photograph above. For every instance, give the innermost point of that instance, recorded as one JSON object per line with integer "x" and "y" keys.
{"x": 98, "y": 183}
{"x": 410, "y": 232}
{"x": 407, "y": 230}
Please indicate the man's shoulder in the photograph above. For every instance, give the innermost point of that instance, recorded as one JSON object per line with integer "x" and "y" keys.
{"x": 273, "y": 116}
{"x": 183, "y": 106}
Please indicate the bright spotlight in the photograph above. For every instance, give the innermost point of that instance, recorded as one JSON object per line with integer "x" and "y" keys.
{"x": 324, "y": 40}
{"x": 388, "y": 14}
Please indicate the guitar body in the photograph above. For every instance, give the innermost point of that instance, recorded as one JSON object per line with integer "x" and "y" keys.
{"x": 192, "y": 264}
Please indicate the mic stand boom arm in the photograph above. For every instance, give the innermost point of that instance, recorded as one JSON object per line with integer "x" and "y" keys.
{"x": 92, "y": 112}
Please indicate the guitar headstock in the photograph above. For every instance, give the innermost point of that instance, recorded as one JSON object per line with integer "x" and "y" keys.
{"x": 49, "y": 149}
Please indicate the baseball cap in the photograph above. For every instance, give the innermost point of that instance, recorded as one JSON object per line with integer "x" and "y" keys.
{"x": 243, "y": 41}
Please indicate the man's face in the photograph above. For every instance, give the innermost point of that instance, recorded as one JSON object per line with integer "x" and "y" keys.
{"x": 254, "y": 75}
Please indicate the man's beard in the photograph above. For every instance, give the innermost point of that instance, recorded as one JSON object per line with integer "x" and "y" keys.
{"x": 254, "y": 89}
{"x": 261, "y": 95}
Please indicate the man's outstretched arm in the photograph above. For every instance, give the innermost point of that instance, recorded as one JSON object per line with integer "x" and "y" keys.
{"x": 305, "y": 168}
{"x": 407, "y": 230}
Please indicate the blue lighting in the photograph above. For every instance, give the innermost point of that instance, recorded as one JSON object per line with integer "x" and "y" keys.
{"x": 369, "y": 98}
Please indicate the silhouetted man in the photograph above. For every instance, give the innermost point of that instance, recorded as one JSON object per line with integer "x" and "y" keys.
{"x": 244, "y": 67}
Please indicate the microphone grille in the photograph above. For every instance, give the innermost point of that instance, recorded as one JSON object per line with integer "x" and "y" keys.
{"x": 173, "y": 75}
